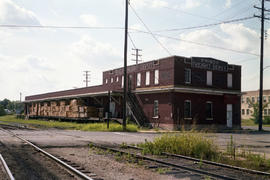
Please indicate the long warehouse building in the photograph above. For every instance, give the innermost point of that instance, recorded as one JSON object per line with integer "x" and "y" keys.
{"x": 168, "y": 93}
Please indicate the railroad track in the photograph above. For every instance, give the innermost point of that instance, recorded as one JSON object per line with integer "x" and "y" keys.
{"x": 73, "y": 169}
{"x": 6, "y": 168}
{"x": 178, "y": 163}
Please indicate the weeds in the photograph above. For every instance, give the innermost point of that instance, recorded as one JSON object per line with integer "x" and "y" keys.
{"x": 189, "y": 144}
{"x": 114, "y": 127}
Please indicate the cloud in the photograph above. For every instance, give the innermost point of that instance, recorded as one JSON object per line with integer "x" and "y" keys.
{"x": 11, "y": 13}
{"x": 188, "y": 4}
{"x": 149, "y": 3}
{"x": 228, "y": 3}
{"x": 95, "y": 53}
{"x": 89, "y": 19}
{"x": 230, "y": 36}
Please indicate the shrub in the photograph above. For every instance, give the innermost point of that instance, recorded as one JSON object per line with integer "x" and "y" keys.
{"x": 2, "y": 110}
{"x": 266, "y": 120}
{"x": 188, "y": 144}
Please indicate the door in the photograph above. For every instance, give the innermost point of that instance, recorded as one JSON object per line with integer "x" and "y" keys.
{"x": 229, "y": 115}
{"x": 112, "y": 109}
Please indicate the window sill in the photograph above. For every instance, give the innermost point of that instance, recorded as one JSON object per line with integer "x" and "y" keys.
{"x": 155, "y": 117}
{"x": 209, "y": 119}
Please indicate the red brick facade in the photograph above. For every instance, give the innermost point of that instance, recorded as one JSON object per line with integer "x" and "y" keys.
{"x": 199, "y": 87}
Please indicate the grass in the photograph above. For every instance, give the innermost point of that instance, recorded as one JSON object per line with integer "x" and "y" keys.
{"x": 196, "y": 145}
{"x": 249, "y": 122}
{"x": 114, "y": 127}
{"x": 187, "y": 143}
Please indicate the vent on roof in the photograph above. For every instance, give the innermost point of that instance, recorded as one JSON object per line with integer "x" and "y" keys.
{"x": 111, "y": 72}
{"x": 156, "y": 62}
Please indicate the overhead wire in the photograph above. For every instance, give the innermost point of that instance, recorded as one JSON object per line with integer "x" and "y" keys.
{"x": 207, "y": 25}
{"x": 150, "y": 32}
{"x": 200, "y": 44}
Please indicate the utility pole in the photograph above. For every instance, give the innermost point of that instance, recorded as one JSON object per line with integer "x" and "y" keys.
{"x": 137, "y": 55}
{"x": 261, "y": 60}
{"x": 125, "y": 69}
{"x": 87, "y": 77}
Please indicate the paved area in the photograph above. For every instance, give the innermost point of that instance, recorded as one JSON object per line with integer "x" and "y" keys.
{"x": 53, "y": 137}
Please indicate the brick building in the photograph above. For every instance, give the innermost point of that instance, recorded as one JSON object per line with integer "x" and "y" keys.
{"x": 253, "y": 96}
{"x": 167, "y": 92}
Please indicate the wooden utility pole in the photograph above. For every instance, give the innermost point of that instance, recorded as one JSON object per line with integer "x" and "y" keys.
{"x": 87, "y": 77}
{"x": 125, "y": 69}
{"x": 137, "y": 55}
{"x": 261, "y": 62}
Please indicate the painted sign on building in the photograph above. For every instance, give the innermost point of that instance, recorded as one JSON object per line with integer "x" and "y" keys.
{"x": 209, "y": 64}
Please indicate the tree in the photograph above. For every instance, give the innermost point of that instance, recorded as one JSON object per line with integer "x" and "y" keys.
{"x": 255, "y": 107}
{"x": 5, "y": 103}
{"x": 2, "y": 110}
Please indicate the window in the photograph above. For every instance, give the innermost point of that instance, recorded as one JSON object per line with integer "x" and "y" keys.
{"x": 247, "y": 111}
{"x": 265, "y": 112}
{"x": 242, "y": 100}
{"x": 112, "y": 80}
{"x": 156, "y": 108}
{"x": 187, "y": 109}
{"x": 138, "y": 79}
{"x": 188, "y": 76}
{"x": 258, "y": 99}
{"x": 106, "y": 81}
{"x": 253, "y": 99}
{"x": 147, "y": 78}
{"x": 243, "y": 111}
{"x": 268, "y": 111}
{"x": 156, "y": 76}
{"x": 209, "y": 78}
{"x": 229, "y": 80}
{"x": 122, "y": 83}
{"x": 264, "y": 98}
{"x": 247, "y": 99}
{"x": 117, "y": 79}
{"x": 269, "y": 99}
{"x": 209, "y": 110}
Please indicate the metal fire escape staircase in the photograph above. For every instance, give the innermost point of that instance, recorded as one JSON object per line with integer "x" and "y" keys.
{"x": 136, "y": 110}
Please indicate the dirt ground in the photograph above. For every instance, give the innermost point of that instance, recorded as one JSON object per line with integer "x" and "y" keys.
{"x": 107, "y": 167}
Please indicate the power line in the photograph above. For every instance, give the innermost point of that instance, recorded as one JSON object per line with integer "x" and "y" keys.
{"x": 207, "y": 25}
{"x": 136, "y": 14}
{"x": 56, "y": 27}
{"x": 132, "y": 42}
{"x": 200, "y": 44}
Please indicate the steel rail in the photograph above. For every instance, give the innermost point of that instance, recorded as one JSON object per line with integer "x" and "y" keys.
{"x": 251, "y": 171}
{"x": 70, "y": 168}
{"x": 201, "y": 172}
{"x": 11, "y": 177}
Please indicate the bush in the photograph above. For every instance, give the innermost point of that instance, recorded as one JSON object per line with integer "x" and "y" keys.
{"x": 188, "y": 144}
{"x": 2, "y": 110}
{"x": 266, "y": 120}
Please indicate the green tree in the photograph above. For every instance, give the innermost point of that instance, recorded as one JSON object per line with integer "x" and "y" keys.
{"x": 5, "y": 103}
{"x": 255, "y": 107}
{"x": 2, "y": 110}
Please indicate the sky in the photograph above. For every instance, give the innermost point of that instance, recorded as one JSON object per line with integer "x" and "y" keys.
{"x": 40, "y": 60}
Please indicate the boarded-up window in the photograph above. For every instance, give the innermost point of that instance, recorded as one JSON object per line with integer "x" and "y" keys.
{"x": 112, "y": 80}
{"x": 209, "y": 110}
{"x": 187, "y": 109}
{"x": 188, "y": 76}
{"x": 156, "y": 76}
{"x": 138, "y": 79}
{"x": 156, "y": 108}
{"x": 209, "y": 78}
{"x": 147, "y": 78}
{"x": 229, "y": 80}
